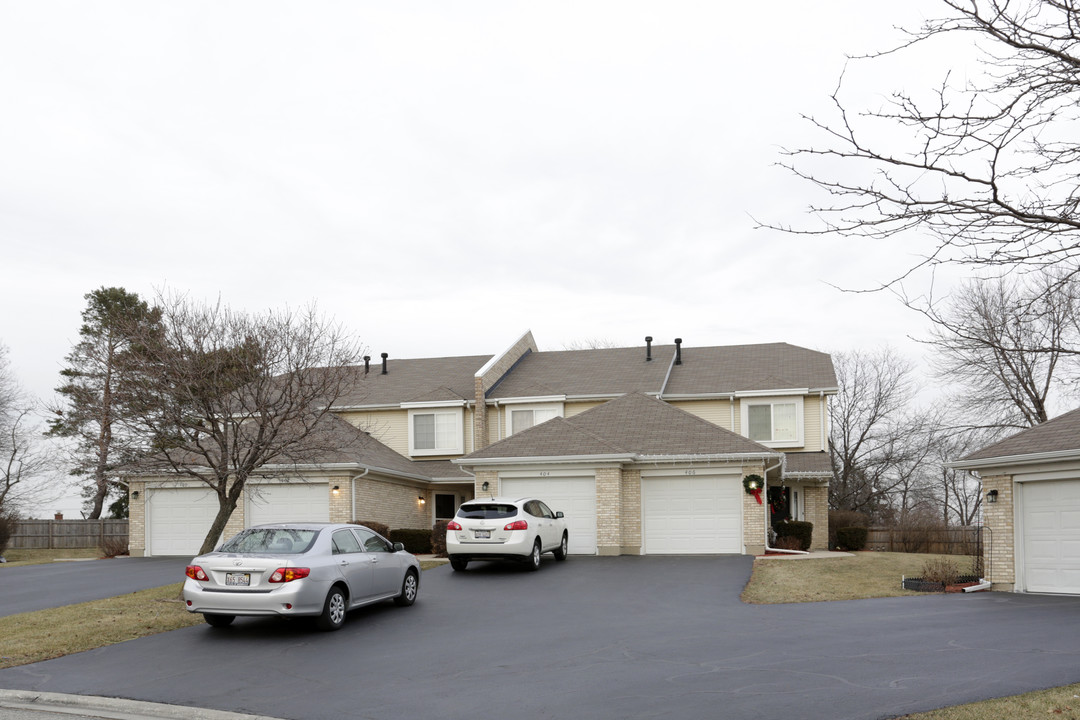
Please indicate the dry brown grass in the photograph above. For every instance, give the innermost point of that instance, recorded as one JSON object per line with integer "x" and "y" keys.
{"x": 44, "y": 634}
{"x": 17, "y": 557}
{"x": 863, "y": 575}
{"x": 1062, "y": 702}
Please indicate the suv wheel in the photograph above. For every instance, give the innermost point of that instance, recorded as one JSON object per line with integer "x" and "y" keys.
{"x": 534, "y": 556}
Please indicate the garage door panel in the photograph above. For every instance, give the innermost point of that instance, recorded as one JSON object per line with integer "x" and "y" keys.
{"x": 575, "y": 498}
{"x": 686, "y": 515}
{"x": 297, "y": 502}
{"x": 1051, "y": 536}
{"x": 179, "y": 519}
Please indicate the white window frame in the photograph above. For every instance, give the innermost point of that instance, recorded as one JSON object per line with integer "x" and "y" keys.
{"x": 797, "y": 401}
{"x": 458, "y": 415}
{"x": 512, "y": 408}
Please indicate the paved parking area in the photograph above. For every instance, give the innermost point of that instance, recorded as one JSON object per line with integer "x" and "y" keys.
{"x": 625, "y": 637}
{"x": 36, "y": 587}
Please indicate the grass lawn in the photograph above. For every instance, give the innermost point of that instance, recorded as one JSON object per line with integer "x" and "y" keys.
{"x": 864, "y": 575}
{"x": 16, "y": 557}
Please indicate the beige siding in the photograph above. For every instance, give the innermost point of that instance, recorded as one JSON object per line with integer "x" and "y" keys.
{"x": 576, "y": 408}
{"x": 718, "y": 412}
{"x": 812, "y": 407}
{"x": 390, "y": 427}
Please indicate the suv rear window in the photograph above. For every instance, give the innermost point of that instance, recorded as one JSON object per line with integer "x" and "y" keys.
{"x": 486, "y": 511}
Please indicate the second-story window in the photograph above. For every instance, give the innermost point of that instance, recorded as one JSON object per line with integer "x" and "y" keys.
{"x": 776, "y": 423}
{"x": 525, "y": 419}
{"x": 435, "y": 432}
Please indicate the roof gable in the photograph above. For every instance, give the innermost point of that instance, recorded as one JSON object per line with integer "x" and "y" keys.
{"x": 1061, "y": 434}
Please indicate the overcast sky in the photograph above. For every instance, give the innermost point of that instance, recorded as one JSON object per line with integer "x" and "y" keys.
{"x": 439, "y": 176}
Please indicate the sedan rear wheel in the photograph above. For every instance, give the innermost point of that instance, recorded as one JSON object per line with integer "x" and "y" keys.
{"x": 333, "y": 614}
{"x": 534, "y": 556}
{"x": 409, "y": 587}
{"x": 215, "y": 620}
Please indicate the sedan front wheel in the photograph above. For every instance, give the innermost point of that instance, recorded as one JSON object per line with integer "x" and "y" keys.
{"x": 409, "y": 587}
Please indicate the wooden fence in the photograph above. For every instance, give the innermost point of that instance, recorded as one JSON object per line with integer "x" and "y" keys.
{"x": 54, "y": 534}
{"x": 962, "y": 540}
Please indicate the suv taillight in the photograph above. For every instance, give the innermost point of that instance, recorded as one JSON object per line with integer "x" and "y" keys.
{"x": 195, "y": 573}
{"x": 453, "y": 525}
{"x": 284, "y": 575}
{"x": 517, "y": 525}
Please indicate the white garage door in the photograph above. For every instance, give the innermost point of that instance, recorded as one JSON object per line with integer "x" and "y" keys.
{"x": 689, "y": 515}
{"x": 1052, "y": 536}
{"x": 575, "y": 498}
{"x": 178, "y": 519}
{"x": 301, "y": 502}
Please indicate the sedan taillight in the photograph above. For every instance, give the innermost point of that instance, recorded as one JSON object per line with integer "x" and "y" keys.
{"x": 284, "y": 575}
{"x": 196, "y": 573}
{"x": 517, "y": 525}
{"x": 453, "y": 525}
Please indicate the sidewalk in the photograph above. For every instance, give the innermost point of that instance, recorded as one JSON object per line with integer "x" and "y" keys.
{"x": 31, "y": 705}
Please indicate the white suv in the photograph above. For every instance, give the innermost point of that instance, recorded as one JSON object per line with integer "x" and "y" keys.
{"x": 505, "y": 529}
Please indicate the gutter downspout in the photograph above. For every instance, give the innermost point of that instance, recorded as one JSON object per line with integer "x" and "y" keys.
{"x": 352, "y": 489}
{"x": 767, "y": 548}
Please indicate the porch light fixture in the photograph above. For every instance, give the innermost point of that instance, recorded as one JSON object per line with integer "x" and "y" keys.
{"x": 485, "y": 486}
{"x": 991, "y": 497}
{"x": 134, "y": 494}
{"x": 421, "y": 499}
{"x": 336, "y": 490}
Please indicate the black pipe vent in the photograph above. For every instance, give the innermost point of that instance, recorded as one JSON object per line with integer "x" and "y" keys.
{"x": 384, "y": 356}
{"x": 648, "y": 348}
{"x": 367, "y": 364}
{"x": 678, "y": 351}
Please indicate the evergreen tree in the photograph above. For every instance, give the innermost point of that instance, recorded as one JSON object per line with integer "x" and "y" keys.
{"x": 92, "y": 409}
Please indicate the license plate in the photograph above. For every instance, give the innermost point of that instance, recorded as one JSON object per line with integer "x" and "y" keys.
{"x": 483, "y": 534}
{"x": 238, "y": 578}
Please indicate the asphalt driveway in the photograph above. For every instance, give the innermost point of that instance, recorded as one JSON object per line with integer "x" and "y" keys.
{"x": 37, "y": 587}
{"x": 624, "y": 637}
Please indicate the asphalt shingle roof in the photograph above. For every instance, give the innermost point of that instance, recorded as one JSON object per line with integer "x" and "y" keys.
{"x": 631, "y": 424}
{"x": 1058, "y": 435}
{"x": 415, "y": 380}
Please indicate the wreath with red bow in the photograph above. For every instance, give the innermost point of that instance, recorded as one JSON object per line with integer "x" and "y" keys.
{"x": 753, "y": 485}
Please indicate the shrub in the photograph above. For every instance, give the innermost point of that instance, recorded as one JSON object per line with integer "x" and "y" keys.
{"x": 851, "y": 538}
{"x": 940, "y": 570}
{"x": 797, "y": 529}
{"x": 7, "y": 529}
{"x": 113, "y": 546}
{"x": 438, "y": 537}
{"x": 845, "y": 519}
{"x": 381, "y": 528}
{"x": 415, "y": 540}
{"x": 788, "y": 543}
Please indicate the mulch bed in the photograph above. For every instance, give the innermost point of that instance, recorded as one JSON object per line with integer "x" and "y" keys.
{"x": 920, "y": 585}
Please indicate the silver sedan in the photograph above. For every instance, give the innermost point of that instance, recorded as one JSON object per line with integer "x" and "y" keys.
{"x": 320, "y": 570}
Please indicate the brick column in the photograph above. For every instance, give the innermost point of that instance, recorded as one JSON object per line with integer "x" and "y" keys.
{"x": 630, "y": 512}
{"x": 480, "y": 423}
{"x": 999, "y": 546}
{"x": 608, "y": 507}
{"x": 137, "y": 520}
{"x": 753, "y": 516}
{"x": 486, "y": 476}
{"x": 340, "y": 504}
{"x": 816, "y": 508}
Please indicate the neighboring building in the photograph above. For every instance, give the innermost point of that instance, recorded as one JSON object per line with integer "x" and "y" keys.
{"x": 1031, "y": 507}
{"x": 644, "y": 449}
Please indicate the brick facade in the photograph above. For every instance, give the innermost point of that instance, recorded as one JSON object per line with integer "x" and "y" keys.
{"x": 137, "y": 520}
{"x": 816, "y": 510}
{"x": 393, "y": 504}
{"x": 999, "y": 563}
{"x": 630, "y": 513}
{"x": 341, "y": 503}
{"x": 753, "y": 516}
{"x": 609, "y": 511}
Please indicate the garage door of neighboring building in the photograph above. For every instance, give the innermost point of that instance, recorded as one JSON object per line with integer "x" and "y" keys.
{"x": 574, "y": 497}
{"x": 692, "y": 514}
{"x": 1051, "y": 533}
{"x": 298, "y": 502}
{"x": 178, "y": 519}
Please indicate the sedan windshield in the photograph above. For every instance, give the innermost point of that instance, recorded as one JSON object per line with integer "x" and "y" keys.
{"x": 271, "y": 540}
{"x": 486, "y": 511}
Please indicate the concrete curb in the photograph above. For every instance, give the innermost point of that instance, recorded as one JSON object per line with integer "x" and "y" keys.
{"x": 112, "y": 708}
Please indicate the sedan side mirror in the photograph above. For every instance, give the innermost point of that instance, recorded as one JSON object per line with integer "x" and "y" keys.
{"x": 398, "y": 547}
{"x": 558, "y": 514}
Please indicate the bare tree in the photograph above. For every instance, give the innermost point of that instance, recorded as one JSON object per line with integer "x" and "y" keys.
{"x": 27, "y": 464}
{"x": 221, "y": 396}
{"x": 874, "y": 443}
{"x": 960, "y": 492}
{"x": 1008, "y": 343}
{"x": 986, "y": 165}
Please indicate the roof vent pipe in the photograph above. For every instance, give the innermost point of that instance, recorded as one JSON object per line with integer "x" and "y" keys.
{"x": 384, "y": 356}
{"x": 648, "y": 348}
{"x": 367, "y": 364}
{"x": 678, "y": 351}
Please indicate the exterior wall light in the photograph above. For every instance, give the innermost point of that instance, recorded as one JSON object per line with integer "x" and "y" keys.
{"x": 421, "y": 499}
{"x": 336, "y": 490}
{"x": 991, "y": 497}
{"x": 134, "y": 494}
{"x": 485, "y": 486}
